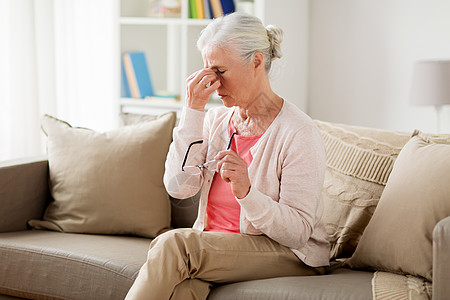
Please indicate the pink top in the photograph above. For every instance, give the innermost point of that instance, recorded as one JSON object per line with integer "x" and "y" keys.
{"x": 223, "y": 211}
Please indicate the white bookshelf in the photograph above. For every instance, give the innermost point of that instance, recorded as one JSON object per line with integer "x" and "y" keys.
{"x": 170, "y": 47}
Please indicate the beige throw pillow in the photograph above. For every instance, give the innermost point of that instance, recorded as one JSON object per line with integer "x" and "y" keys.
{"x": 108, "y": 183}
{"x": 398, "y": 238}
{"x": 359, "y": 161}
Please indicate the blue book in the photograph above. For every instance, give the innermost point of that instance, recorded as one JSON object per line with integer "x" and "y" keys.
{"x": 228, "y": 6}
{"x": 124, "y": 88}
{"x": 137, "y": 74}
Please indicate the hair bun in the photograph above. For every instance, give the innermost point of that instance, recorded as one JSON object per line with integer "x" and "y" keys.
{"x": 275, "y": 35}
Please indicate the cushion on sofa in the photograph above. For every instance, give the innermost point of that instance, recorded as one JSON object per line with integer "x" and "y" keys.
{"x": 126, "y": 119}
{"x": 398, "y": 238}
{"x": 183, "y": 211}
{"x": 359, "y": 161}
{"x": 108, "y": 183}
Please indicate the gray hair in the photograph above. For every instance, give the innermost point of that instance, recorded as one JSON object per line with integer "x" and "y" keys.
{"x": 244, "y": 34}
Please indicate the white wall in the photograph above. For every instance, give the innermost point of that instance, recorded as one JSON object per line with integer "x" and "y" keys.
{"x": 362, "y": 54}
{"x": 289, "y": 76}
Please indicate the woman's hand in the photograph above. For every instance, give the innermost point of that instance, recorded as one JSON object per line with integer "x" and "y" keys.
{"x": 233, "y": 169}
{"x": 199, "y": 86}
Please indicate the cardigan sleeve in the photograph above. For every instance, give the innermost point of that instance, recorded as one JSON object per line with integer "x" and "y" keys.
{"x": 190, "y": 129}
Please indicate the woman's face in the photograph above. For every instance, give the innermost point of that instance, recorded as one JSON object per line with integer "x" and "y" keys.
{"x": 237, "y": 78}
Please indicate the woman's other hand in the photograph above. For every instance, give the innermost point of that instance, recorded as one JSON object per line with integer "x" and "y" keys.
{"x": 199, "y": 86}
{"x": 233, "y": 169}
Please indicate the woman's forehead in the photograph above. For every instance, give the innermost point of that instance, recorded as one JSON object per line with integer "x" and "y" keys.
{"x": 216, "y": 57}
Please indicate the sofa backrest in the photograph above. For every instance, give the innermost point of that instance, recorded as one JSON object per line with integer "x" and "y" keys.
{"x": 359, "y": 161}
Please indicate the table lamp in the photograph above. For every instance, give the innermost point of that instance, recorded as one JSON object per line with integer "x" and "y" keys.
{"x": 431, "y": 85}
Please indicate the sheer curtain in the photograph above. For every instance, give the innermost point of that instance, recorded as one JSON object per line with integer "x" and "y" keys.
{"x": 57, "y": 57}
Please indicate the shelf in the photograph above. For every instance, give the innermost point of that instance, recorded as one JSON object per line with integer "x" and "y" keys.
{"x": 198, "y": 22}
{"x": 169, "y": 44}
{"x": 149, "y": 21}
{"x": 162, "y": 21}
{"x": 158, "y": 104}
{"x": 152, "y": 102}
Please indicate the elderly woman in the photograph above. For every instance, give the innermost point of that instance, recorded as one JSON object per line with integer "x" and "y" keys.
{"x": 259, "y": 165}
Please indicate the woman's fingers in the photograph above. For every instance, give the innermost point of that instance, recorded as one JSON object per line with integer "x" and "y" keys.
{"x": 199, "y": 86}
{"x": 234, "y": 170}
{"x": 229, "y": 157}
{"x": 226, "y": 175}
{"x": 207, "y": 80}
{"x": 202, "y": 77}
{"x": 214, "y": 86}
{"x": 224, "y": 153}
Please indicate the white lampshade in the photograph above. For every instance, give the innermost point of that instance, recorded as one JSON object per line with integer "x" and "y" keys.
{"x": 431, "y": 83}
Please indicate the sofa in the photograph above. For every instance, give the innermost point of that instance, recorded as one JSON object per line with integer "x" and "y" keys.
{"x": 43, "y": 257}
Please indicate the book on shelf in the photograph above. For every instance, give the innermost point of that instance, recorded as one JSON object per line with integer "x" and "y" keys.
{"x": 216, "y": 7}
{"x": 137, "y": 80}
{"x": 228, "y": 6}
{"x": 124, "y": 88}
{"x": 208, "y": 9}
{"x": 200, "y": 9}
{"x": 193, "y": 13}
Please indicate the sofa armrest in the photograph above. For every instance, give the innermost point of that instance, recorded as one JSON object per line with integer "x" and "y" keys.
{"x": 24, "y": 192}
{"x": 441, "y": 260}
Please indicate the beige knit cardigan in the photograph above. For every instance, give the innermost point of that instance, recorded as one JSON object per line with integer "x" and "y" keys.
{"x": 286, "y": 175}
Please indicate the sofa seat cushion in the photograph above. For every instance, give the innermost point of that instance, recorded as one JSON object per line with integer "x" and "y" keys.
{"x": 340, "y": 284}
{"x": 45, "y": 264}
{"x": 52, "y": 265}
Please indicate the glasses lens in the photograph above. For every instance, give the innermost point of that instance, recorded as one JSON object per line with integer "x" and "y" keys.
{"x": 192, "y": 170}
{"x": 211, "y": 165}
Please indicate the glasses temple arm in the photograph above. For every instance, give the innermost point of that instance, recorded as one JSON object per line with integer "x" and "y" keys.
{"x": 187, "y": 152}
{"x": 231, "y": 139}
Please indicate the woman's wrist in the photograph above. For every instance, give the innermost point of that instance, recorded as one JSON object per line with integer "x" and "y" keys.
{"x": 242, "y": 195}
{"x": 195, "y": 105}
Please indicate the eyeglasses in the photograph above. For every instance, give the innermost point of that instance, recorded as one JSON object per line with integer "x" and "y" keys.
{"x": 209, "y": 165}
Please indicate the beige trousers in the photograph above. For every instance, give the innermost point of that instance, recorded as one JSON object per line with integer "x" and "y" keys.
{"x": 183, "y": 263}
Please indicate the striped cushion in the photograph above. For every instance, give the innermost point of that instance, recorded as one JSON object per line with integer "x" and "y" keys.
{"x": 359, "y": 161}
